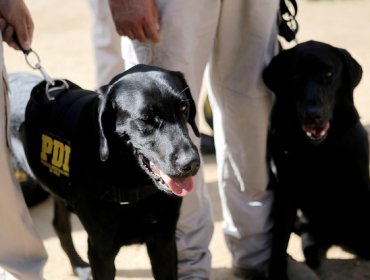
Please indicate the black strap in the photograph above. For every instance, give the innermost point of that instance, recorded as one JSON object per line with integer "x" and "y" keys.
{"x": 287, "y": 23}
{"x": 16, "y": 41}
{"x": 125, "y": 196}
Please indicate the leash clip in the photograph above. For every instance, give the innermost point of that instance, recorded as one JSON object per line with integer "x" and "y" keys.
{"x": 52, "y": 86}
{"x": 37, "y": 66}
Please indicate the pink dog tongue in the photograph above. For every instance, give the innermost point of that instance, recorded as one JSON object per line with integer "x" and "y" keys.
{"x": 179, "y": 186}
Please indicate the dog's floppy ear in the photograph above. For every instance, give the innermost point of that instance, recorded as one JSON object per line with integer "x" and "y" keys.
{"x": 275, "y": 74}
{"x": 103, "y": 145}
{"x": 352, "y": 69}
{"x": 192, "y": 112}
{"x": 103, "y": 93}
{"x": 193, "y": 108}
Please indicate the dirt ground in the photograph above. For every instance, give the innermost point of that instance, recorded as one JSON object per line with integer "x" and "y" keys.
{"x": 63, "y": 41}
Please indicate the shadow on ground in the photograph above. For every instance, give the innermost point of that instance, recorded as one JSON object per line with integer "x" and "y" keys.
{"x": 339, "y": 269}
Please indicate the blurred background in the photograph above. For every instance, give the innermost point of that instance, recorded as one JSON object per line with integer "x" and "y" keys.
{"x": 63, "y": 40}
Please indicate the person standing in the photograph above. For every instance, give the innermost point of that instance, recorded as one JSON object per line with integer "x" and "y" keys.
{"x": 21, "y": 250}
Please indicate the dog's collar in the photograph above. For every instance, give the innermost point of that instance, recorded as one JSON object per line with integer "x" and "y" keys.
{"x": 126, "y": 196}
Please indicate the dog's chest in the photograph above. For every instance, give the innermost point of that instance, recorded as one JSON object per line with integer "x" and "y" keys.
{"x": 133, "y": 222}
{"x": 322, "y": 176}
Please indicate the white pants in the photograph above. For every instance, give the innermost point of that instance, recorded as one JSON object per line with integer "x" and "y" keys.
{"x": 21, "y": 250}
{"x": 106, "y": 43}
{"x": 236, "y": 38}
{"x": 245, "y": 41}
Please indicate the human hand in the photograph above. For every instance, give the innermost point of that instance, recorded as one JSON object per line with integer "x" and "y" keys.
{"x": 15, "y": 19}
{"x": 136, "y": 19}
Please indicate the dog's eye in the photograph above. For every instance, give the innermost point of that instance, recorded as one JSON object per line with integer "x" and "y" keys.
{"x": 328, "y": 74}
{"x": 327, "y": 77}
{"x": 184, "y": 107}
{"x": 145, "y": 117}
{"x": 295, "y": 77}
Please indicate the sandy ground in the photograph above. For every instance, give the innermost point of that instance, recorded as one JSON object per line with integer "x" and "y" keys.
{"x": 62, "y": 39}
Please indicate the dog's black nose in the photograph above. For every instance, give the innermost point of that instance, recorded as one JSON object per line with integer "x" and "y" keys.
{"x": 313, "y": 115}
{"x": 191, "y": 167}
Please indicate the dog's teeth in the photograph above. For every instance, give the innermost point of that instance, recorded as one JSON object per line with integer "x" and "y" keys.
{"x": 309, "y": 134}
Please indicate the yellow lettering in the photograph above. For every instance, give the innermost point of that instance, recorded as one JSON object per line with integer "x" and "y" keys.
{"x": 58, "y": 154}
{"x": 47, "y": 147}
{"x": 67, "y": 153}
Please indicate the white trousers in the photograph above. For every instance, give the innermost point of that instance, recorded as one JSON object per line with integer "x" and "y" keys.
{"x": 106, "y": 43}
{"x": 245, "y": 41}
{"x": 236, "y": 39}
{"x": 21, "y": 250}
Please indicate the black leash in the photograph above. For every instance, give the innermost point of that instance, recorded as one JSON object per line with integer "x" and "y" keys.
{"x": 287, "y": 23}
{"x": 16, "y": 41}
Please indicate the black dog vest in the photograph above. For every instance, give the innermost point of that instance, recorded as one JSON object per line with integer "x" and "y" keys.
{"x": 53, "y": 144}
{"x": 51, "y": 128}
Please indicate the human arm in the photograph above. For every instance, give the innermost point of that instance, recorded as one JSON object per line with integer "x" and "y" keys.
{"x": 15, "y": 18}
{"x": 136, "y": 19}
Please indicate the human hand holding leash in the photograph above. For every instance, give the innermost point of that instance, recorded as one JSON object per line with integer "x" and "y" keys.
{"x": 136, "y": 19}
{"x": 16, "y": 21}
{"x": 17, "y": 27}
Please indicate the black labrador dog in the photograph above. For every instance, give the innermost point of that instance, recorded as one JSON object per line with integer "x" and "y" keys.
{"x": 120, "y": 159}
{"x": 320, "y": 153}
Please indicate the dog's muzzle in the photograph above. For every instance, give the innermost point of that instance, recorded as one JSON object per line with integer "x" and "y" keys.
{"x": 317, "y": 133}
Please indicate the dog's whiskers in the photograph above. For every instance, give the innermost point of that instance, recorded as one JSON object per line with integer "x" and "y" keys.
{"x": 157, "y": 132}
{"x": 183, "y": 90}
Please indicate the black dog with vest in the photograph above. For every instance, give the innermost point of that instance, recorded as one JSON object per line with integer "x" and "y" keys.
{"x": 320, "y": 150}
{"x": 120, "y": 160}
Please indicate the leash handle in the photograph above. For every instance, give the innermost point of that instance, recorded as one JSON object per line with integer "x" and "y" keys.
{"x": 16, "y": 41}
{"x": 37, "y": 64}
{"x": 288, "y": 24}
{"x": 52, "y": 85}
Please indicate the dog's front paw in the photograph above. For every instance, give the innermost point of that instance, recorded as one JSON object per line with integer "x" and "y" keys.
{"x": 310, "y": 250}
{"x": 83, "y": 273}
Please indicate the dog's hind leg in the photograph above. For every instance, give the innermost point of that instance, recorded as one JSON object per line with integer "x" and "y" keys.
{"x": 358, "y": 241}
{"x": 63, "y": 228}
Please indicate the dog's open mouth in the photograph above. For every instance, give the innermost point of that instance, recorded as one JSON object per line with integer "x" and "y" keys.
{"x": 179, "y": 186}
{"x": 316, "y": 132}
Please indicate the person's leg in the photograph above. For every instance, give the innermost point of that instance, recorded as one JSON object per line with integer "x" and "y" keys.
{"x": 245, "y": 42}
{"x": 21, "y": 250}
{"x": 106, "y": 43}
{"x": 187, "y": 33}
